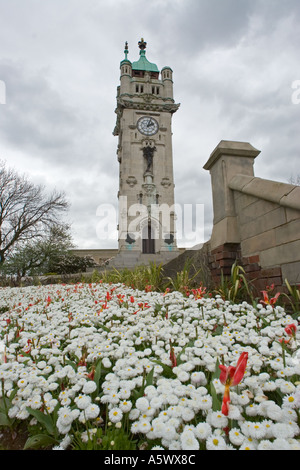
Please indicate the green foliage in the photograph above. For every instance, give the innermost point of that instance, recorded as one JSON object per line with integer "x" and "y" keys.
{"x": 293, "y": 296}
{"x": 112, "y": 438}
{"x": 216, "y": 401}
{"x": 5, "y": 405}
{"x": 141, "y": 277}
{"x": 235, "y": 288}
{"x": 39, "y": 441}
{"x": 48, "y": 254}
{"x": 183, "y": 280}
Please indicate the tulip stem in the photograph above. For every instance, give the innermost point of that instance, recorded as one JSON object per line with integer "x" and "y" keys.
{"x": 283, "y": 353}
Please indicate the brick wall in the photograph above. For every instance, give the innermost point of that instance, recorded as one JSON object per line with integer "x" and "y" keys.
{"x": 221, "y": 259}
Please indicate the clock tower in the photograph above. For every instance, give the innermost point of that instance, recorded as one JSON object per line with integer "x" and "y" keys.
{"x": 145, "y": 106}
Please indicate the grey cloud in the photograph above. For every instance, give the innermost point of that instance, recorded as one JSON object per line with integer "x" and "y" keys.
{"x": 233, "y": 62}
{"x": 35, "y": 116}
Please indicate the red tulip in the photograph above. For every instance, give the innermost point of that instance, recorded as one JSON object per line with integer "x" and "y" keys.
{"x": 268, "y": 301}
{"x": 230, "y": 376}
{"x": 291, "y": 329}
{"x": 172, "y": 356}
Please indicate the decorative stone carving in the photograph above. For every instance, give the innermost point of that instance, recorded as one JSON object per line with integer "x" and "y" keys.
{"x": 131, "y": 180}
{"x": 170, "y": 107}
{"x": 165, "y": 182}
{"x": 148, "y": 188}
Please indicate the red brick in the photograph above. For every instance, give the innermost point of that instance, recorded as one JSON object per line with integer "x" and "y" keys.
{"x": 277, "y": 281}
{"x": 225, "y": 263}
{"x": 271, "y": 272}
{"x": 254, "y": 259}
{"x": 252, "y": 267}
{"x": 253, "y": 275}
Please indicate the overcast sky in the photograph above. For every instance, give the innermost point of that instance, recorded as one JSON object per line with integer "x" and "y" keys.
{"x": 234, "y": 63}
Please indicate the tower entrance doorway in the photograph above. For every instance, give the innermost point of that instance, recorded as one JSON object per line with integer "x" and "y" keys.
{"x": 148, "y": 242}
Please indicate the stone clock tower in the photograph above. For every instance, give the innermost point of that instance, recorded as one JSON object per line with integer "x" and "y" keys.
{"x": 145, "y": 106}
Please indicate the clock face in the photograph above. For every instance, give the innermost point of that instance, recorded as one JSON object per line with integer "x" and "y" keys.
{"x": 147, "y": 125}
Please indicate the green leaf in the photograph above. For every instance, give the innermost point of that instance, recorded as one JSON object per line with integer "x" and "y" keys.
{"x": 97, "y": 375}
{"x": 149, "y": 378}
{"x": 43, "y": 419}
{"x": 105, "y": 328}
{"x": 39, "y": 441}
{"x": 72, "y": 364}
{"x": 4, "y": 420}
{"x": 216, "y": 373}
{"x": 4, "y": 403}
{"x": 216, "y": 402}
{"x": 168, "y": 372}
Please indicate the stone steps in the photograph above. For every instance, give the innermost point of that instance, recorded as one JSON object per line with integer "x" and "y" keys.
{"x": 132, "y": 259}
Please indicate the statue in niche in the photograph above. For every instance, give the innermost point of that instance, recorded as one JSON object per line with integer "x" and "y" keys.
{"x": 148, "y": 155}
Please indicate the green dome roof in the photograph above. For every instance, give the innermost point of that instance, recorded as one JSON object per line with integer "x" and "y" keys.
{"x": 144, "y": 64}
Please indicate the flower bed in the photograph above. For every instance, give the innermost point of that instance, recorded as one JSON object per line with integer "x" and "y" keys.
{"x": 99, "y": 366}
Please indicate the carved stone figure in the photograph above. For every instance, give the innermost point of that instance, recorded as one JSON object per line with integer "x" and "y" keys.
{"x": 148, "y": 155}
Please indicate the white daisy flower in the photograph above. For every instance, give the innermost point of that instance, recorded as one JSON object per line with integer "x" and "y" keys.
{"x": 83, "y": 401}
{"x": 115, "y": 415}
{"x": 89, "y": 387}
{"x": 189, "y": 441}
{"x": 215, "y": 442}
{"x": 92, "y": 411}
{"x": 202, "y": 430}
{"x": 142, "y": 404}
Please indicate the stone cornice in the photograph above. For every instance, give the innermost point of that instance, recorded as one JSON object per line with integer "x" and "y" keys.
{"x": 165, "y": 105}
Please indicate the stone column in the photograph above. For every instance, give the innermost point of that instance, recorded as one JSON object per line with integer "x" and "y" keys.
{"x": 228, "y": 159}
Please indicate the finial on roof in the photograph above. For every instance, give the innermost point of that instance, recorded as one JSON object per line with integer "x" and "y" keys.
{"x": 142, "y": 44}
{"x": 126, "y": 50}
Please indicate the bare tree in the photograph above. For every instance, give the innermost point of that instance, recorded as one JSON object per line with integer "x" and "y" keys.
{"x": 25, "y": 210}
{"x": 295, "y": 181}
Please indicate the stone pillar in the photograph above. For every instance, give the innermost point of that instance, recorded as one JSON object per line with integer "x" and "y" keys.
{"x": 228, "y": 159}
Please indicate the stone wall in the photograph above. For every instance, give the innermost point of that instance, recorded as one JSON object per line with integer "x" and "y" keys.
{"x": 256, "y": 221}
{"x": 101, "y": 257}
